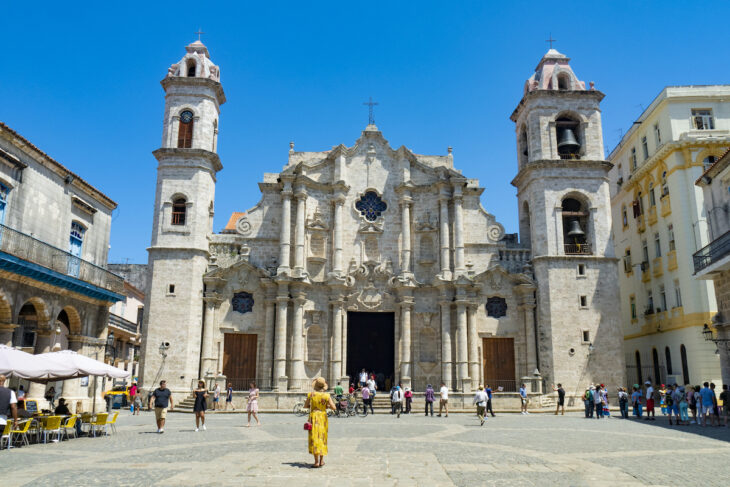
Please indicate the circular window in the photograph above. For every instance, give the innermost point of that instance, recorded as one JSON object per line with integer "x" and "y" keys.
{"x": 186, "y": 116}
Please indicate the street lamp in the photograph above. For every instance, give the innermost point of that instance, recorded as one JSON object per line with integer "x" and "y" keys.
{"x": 710, "y": 337}
{"x": 110, "y": 352}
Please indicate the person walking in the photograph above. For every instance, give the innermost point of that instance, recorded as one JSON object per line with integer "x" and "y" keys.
{"x": 363, "y": 378}
{"x": 588, "y": 401}
{"x": 669, "y": 401}
{"x": 708, "y": 403}
{"x": 367, "y": 400}
{"x": 523, "y": 399}
{"x": 201, "y": 404}
{"x": 683, "y": 407}
{"x": 409, "y": 399}
{"x": 488, "y": 390}
{"x": 636, "y": 401}
{"x": 650, "y": 402}
{"x": 162, "y": 401}
{"x": 725, "y": 398}
{"x": 480, "y": 399}
{"x": 396, "y": 401}
{"x": 715, "y": 405}
{"x": 137, "y": 404}
{"x": 252, "y": 407}
{"x": 229, "y": 396}
{"x": 561, "y": 399}
{"x": 132, "y": 395}
{"x": 430, "y": 398}
{"x": 8, "y": 404}
{"x": 318, "y": 402}
{"x": 216, "y": 396}
{"x": 444, "y": 401}
{"x": 623, "y": 402}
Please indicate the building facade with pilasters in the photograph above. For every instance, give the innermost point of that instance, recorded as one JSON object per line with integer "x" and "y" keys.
{"x": 359, "y": 257}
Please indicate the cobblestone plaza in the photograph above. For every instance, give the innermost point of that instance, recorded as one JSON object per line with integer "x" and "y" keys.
{"x": 511, "y": 449}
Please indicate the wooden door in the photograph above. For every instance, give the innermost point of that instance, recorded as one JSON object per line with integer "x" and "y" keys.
{"x": 239, "y": 356}
{"x": 499, "y": 363}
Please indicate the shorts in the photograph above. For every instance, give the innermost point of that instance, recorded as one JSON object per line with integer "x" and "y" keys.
{"x": 561, "y": 402}
{"x": 215, "y": 399}
{"x": 709, "y": 409}
{"x": 228, "y": 399}
{"x": 524, "y": 400}
{"x": 675, "y": 408}
{"x": 160, "y": 413}
{"x": 650, "y": 404}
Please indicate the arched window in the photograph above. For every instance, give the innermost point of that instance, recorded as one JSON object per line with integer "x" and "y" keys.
{"x": 179, "y": 210}
{"x": 639, "y": 379}
{"x": 563, "y": 81}
{"x": 685, "y": 366}
{"x": 624, "y": 216}
{"x": 708, "y": 161}
{"x": 575, "y": 225}
{"x": 191, "y": 68}
{"x": 185, "y": 130}
{"x": 569, "y": 137}
{"x": 524, "y": 150}
{"x": 655, "y": 362}
{"x": 668, "y": 358}
{"x": 665, "y": 187}
{"x": 652, "y": 197}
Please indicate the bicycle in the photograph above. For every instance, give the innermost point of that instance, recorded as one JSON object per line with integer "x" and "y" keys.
{"x": 299, "y": 409}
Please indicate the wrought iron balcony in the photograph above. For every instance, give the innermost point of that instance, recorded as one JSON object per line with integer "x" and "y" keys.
{"x": 32, "y": 250}
{"x": 712, "y": 253}
{"x": 578, "y": 249}
{"x": 122, "y": 324}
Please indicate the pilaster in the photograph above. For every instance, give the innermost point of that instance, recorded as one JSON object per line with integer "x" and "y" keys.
{"x": 285, "y": 235}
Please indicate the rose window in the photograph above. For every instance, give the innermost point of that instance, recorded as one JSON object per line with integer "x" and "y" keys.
{"x": 371, "y": 206}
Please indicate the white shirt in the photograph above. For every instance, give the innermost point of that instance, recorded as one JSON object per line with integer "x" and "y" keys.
{"x": 371, "y": 384}
{"x": 480, "y": 398}
{"x": 13, "y": 400}
{"x": 444, "y": 391}
{"x": 363, "y": 377}
{"x": 217, "y": 391}
{"x": 397, "y": 396}
{"x": 650, "y": 392}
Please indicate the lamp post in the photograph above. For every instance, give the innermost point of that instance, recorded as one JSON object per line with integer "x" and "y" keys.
{"x": 110, "y": 352}
{"x": 711, "y": 337}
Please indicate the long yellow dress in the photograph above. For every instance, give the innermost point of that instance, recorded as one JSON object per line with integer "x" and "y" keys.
{"x": 318, "y": 416}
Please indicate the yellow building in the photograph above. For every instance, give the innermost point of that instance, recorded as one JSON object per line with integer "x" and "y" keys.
{"x": 659, "y": 222}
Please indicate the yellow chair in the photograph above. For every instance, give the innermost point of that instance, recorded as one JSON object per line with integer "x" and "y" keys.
{"x": 23, "y": 430}
{"x": 7, "y": 433}
{"x": 70, "y": 424}
{"x": 86, "y": 421}
{"x": 99, "y": 423}
{"x": 113, "y": 422}
{"x": 52, "y": 426}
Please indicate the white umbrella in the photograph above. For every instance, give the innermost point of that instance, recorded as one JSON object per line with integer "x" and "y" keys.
{"x": 14, "y": 362}
{"x": 83, "y": 365}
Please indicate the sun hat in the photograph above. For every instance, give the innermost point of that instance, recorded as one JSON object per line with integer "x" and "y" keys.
{"x": 319, "y": 384}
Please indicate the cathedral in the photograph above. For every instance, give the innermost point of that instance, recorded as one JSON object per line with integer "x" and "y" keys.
{"x": 369, "y": 256}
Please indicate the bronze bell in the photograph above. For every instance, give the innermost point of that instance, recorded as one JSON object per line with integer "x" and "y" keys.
{"x": 575, "y": 230}
{"x": 568, "y": 144}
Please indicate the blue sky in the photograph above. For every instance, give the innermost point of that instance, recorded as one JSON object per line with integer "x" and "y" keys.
{"x": 81, "y": 81}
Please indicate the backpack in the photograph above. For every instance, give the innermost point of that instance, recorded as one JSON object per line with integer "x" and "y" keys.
{"x": 589, "y": 395}
{"x": 668, "y": 399}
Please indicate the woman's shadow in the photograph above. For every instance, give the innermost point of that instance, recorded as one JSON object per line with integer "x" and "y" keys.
{"x": 298, "y": 464}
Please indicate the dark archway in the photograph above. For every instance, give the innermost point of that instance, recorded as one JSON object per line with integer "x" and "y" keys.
{"x": 371, "y": 345}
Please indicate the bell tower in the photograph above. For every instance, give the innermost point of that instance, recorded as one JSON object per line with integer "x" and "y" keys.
{"x": 565, "y": 218}
{"x": 183, "y": 219}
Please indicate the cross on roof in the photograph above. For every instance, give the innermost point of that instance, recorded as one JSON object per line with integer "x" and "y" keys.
{"x": 370, "y": 103}
{"x": 551, "y": 40}
{"x": 199, "y": 32}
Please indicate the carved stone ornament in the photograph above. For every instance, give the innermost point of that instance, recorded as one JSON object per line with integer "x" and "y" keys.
{"x": 242, "y": 302}
{"x": 495, "y": 280}
{"x": 426, "y": 224}
{"x": 495, "y": 232}
{"x": 243, "y": 226}
{"x": 496, "y": 307}
{"x": 370, "y": 283}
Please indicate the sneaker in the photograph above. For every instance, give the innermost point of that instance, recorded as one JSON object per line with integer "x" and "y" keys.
{"x": 526, "y": 412}
{"x": 196, "y": 430}
{"x": 523, "y": 412}
{"x": 482, "y": 423}
{"x": 204, "y": 428}
{"x": 159, "y": 430}
{"x": 162, "y": 430}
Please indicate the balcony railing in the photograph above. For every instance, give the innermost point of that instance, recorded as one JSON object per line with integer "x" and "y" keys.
{"x": 716, "y": 250}
{"x": 33, "y": 250}
{"x": 578, "y": 249}
{"x": 123, "y": 324}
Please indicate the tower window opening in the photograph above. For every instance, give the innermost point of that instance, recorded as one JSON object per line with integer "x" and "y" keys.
{"x": 563, "y": 82}
{"x": 575, "y": 220}
{"x": 179, "y": 210}
{"x": 191, "y": 68}
{"x": 185, "y": 130}
{"x": 569, "y": 145}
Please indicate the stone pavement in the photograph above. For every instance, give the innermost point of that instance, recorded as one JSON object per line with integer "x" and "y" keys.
{"x": 511, "y": 449}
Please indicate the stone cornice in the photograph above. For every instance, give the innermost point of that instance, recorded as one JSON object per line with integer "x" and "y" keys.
{"x": 217, "y": 88}
{"x": 186, "y": 155}
{"x": 591, "y": 94}
{"x": 559, "y": 164}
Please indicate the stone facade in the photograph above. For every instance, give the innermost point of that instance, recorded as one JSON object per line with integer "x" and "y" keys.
{"x": 373, "y": 229}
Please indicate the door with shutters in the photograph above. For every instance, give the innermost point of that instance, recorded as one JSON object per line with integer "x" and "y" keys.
{"x": 499, "y": 363}
{"x": 239, "y": 356}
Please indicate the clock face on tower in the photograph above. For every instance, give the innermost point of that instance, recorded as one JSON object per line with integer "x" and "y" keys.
{"x": 186, "y": 116}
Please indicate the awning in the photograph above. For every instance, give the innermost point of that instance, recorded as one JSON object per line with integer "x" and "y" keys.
{"x": 49, "y": 367}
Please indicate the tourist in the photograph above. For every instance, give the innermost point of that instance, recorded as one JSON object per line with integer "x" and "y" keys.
{"x": 676, "y": 400}
{"x": 62, "y": 408}
{"x": 523, "y": 399}
{"x": 488, "y": 390}
{"x": 698, "y": 404}
{"x": 132, "y": 395}
{"x": 623, "y": 402}
{"x": 725, "y": 398}
{"x": 409, "y": 400}
{"x": 430, "y": 398}
{"x": 363, "y": 378}
{"x": 683, "y": 407}
{"x": 252, "y": 407}
{"x": 137, "y": 404}
{"x": 372, "y": 385}
{"x": 339, "y": 392}
{"x": 444, "y": 401}
{"x": 216, "y": 396}
{"x": 201, "y": 403}
{"x": 561, "y": 399}
{"x": 662, "y": 397}
{"x": 716, "y": 407}
{"x": 318, "y": 402}
{"x": 480, "y": 399}
{"x": 367, "y": 400}
{"x": 588, "y": 401}
{"x": 598, "y": 402}
{"x": 669, "y": 401}
{"x": 396, "y": 400}
{"x": 162, "y": 399}
{"x": 8, "y": 404}
{"x": 51, "y": 396}
{"x": 649, "y": 394}
{"x": 229, "y": 396}
{"x": 636, "y": 401}
{"x": 352, "y": 388}
{"x": 708, "y": 403}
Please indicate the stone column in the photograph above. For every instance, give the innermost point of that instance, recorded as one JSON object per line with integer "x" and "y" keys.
{"x": 406, "y": 306}
{"x": 405, "y": 263}
{"x": 282, "y": 304}
{"x": 444, "y": 234}
{"x": 210, "y": 361}
{"x": 446, "y": 371}
{"x": 338, "y": 264}
{"x": 6, "y": 334}
{"x": 299, "y": 231}
{"x": 72, "y": 387}
{"x": 296, "y": 367}
{"x": 458, "y": 232}
{"x": 462, "y": 368}
{"x": 285, "y": 235}
{"x": 473, "y": 337}
{"x": 269, "y": 333}
{"x": 42, "y": 345}
{"x": 336, "y": 360}
{"x": 344, "y": 341}
{"x": 529, "y": 314}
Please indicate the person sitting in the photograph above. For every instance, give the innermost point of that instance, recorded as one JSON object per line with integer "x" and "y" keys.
{"x": 62, "y": 408}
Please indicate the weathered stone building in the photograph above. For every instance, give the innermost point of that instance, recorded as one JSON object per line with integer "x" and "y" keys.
{"x": 376, "y": 257}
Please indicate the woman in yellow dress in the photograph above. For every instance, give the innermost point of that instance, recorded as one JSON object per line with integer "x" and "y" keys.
{"x": 317, "y": 402}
